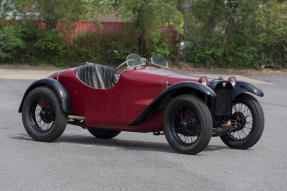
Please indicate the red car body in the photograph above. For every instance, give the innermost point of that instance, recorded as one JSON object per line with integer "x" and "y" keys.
{"x": 117, "y": 107}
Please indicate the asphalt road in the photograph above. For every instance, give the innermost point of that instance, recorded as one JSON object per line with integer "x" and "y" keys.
{"x": 135, "y": 161}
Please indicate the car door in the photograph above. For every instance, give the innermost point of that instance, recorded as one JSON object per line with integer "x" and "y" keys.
{"x": 118, "y": 106}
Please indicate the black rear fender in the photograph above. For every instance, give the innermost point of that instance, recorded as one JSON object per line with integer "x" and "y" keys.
{"x": 61, "y": 92}
{"x": 169, "y": 93}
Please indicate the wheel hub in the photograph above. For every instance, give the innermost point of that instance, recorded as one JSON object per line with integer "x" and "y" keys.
{"x": 189, "y": 126}
{"x": 239, "y": 121}
{"x": 47, "y": 114}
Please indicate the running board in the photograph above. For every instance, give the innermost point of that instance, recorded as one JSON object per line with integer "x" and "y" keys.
{"x": 77, "y": 117}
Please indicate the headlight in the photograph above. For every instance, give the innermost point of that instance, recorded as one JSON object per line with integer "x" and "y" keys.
{"x": 203, "y": 80}
{"x": 232, "y": 80}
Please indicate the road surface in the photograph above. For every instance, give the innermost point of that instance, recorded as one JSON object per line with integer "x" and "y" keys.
{"x": 135, "y": 161}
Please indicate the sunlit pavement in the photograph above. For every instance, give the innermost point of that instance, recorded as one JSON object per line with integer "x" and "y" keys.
{"x": 135, "y": 161}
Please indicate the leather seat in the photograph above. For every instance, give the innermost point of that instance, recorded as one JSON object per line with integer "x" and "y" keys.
{"x": 96, "y": 76}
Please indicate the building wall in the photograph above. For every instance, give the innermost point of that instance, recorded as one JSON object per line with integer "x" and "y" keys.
{"x": 82, "y": 27}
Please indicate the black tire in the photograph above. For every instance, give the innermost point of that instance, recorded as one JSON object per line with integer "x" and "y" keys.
{"x": 201, "y": 128}
{"x": 256, "y": 126}
{"x": 103, "y": 133}
{"x": 50, "y": 116}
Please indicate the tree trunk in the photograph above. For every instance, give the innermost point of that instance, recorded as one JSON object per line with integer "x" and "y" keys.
{"x": 180, "y": 36}
{"x": 210, "y": 26}
{"x": 141, "y": 31}
{"x": 142, "y": 44}
{"x": 228, "y": 31}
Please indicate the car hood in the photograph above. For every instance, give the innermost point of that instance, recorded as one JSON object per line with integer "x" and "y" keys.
{"x": 150, "y": 73}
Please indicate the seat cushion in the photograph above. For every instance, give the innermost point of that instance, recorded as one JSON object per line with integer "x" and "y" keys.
{"x": 96, "y": 76}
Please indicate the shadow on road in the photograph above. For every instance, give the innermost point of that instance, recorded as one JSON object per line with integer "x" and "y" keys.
{"x": 123, "y": 144}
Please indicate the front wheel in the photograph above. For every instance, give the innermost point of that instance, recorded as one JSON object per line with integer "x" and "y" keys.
{"x": 187, "y": 124}
{"x": 248, "y": 118}
{"x": 42, "y": 115}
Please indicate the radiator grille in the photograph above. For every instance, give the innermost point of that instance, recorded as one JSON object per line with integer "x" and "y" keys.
{"x": 223, "y": 100}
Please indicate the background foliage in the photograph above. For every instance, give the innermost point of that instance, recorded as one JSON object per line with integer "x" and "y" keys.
{"x": 237, "y": 33}
{"x": 221, "y": 33}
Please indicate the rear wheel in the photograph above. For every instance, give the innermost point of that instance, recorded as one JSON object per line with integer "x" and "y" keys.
{"x": 187, "y": 124}
{"x": 248, "y": 118}
{"x": 103, "y": 133}
{"x": 42, "y": 115}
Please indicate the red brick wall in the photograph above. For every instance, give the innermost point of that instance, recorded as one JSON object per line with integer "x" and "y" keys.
{"x": 82, "y": 27}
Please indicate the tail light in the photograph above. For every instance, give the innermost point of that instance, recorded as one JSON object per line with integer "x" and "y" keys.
{"x": 203, "y": 80}
{"x": 232, "y": 80}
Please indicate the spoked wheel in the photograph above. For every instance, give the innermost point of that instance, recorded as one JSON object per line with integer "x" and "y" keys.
{"x": 248, "y": 119}
{"x": 187, "y": 124}
{"x": 42, "y": 115}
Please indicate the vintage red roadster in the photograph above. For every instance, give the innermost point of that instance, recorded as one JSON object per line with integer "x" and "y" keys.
{"x": 188, "y": 110}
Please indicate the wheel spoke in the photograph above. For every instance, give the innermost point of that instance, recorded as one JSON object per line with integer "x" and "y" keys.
{"x": 41, "y": 115}
{"x": 186, "y": 125}
{"x": 244, "y": 120}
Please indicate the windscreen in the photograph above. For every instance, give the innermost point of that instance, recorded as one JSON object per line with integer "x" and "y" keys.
{"x": 159, "y": 60}
{"x": 134, "y": 60}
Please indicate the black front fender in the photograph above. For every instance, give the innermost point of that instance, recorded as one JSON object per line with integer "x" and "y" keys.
{"x": 173, "y": 89}
{"x": 243, "y": 87}
{"x": 58, "y": 88}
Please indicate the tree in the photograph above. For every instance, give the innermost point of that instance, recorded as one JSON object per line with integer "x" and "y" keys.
{"x": 226, "y": 32}
{"x": 204, "y": 21}
{"x": 272, "y": 22}
{"x": 147, "y": 17}
{"x": 5, "y": 8}
{"x": 52, "y": 11}
{"x": 55, "y": 11}
{"x": 180, "y": 8}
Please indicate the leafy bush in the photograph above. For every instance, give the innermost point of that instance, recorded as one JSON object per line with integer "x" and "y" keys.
{"x": 240, "y": 56}
{"x": 25, "y": 42}
{"x": 158, "y": 43}
{"x": 242, "y": 51}
{"x": 50, "y": 46}
{"x": 197, "y": 55}
{"x": 10, "y": 43}
{"x": 29, "y": 33}
{"x": 111, "y": 49}
{"x": 103, "y": 48}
